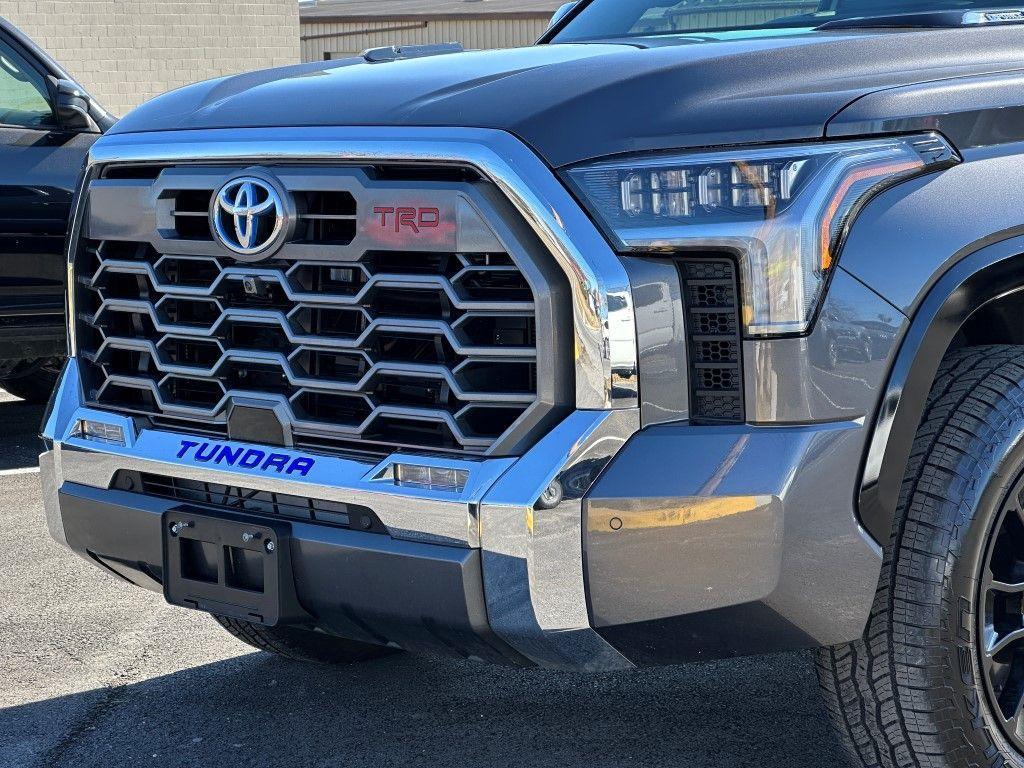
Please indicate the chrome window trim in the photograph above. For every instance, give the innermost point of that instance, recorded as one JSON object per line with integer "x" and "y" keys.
{"x": 606, "y": 365}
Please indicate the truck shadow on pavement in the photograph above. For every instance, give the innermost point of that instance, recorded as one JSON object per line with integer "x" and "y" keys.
{"x": 256, "y": 710}
{"x": 20, "y": 444}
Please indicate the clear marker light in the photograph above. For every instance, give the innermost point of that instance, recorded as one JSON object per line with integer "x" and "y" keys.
{"x": 100, "y": 432}
{"x": 431, "y": 478}
{"x": 782, "y": 211}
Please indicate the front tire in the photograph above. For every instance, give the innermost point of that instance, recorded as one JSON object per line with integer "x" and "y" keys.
{"x": 32, "y": 380}
{"x": 919, "y": 688}
{"x": 301, "y": 644}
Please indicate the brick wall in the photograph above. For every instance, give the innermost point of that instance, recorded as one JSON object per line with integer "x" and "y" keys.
{"x": 126, "y": 51}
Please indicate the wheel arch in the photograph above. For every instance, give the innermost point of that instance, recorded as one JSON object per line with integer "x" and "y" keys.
{"x": 975, "y": 302}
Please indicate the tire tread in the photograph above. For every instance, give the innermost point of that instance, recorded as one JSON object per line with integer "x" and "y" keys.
{"x": 887, "y": 693}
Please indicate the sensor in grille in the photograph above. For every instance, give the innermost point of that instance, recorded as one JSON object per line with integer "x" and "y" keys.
{"x": 711, "y": 298}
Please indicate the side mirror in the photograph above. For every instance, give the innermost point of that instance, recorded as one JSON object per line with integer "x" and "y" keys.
{"x": 73, "y": 107}
{"x": 561, "y": 13}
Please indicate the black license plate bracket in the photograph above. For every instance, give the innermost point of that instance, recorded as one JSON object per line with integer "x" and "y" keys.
{"x": 229, "y": 565}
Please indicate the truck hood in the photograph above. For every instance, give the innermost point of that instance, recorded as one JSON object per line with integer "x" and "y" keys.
{"x": 574, "y": 102}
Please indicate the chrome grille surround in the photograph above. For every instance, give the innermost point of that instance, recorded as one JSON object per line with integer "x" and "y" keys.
{"x": 606, "y": 362}
{"x": 379, "y": 339}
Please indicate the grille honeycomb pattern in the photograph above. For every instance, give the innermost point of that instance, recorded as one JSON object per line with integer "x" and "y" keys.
{"x": 715, "y": 351}
{"x": 710, "y": 292}
{"x": 388, "y": 350}
{"x": 713, "y": 323}
{"x": 719, "y": 408}
{"x": 717, "y": 378}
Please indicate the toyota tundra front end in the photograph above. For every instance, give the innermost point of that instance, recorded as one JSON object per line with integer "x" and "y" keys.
{"x": 583, "y": 356}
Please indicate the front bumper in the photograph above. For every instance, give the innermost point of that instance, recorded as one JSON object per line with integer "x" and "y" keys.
{"x": 422, "y": 595}
{"x": 650, "y": 546}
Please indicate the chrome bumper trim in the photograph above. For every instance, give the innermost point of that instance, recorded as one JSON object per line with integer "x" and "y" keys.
{"x": 606, "y": 363}
{"x": 533, "y": 543}
{"x": 414, "y": 514}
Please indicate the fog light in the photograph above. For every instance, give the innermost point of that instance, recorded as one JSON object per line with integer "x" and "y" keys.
{"x": 431, "y": 478}
{"x": 100, "y": 432}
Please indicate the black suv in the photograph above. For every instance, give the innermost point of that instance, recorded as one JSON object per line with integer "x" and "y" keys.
{"x": 695, "y": 330}
{"x": 47, "y": 125}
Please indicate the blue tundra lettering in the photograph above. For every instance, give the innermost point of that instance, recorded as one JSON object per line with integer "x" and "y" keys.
{"x": 251, "y": 458}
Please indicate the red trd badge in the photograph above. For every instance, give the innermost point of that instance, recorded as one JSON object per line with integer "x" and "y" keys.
{"x": 402, "y": 225}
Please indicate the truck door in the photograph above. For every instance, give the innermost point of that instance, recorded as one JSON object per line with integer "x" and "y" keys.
{"x": 39, "y": 167}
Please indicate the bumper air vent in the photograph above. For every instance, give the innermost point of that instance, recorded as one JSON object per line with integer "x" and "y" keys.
{"x": 230, "y": 498}
{"x": 711, "y": 297}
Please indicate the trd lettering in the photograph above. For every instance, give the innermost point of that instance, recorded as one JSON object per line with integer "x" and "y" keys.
{"x": 415, "y": 219}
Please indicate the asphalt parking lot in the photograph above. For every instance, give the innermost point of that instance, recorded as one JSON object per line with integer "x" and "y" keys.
{"x": 95, "y": 674}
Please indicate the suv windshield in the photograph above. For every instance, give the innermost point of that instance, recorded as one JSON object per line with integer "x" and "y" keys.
{"x": 607, "y": 19}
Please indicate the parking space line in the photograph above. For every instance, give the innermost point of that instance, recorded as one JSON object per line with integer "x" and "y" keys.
{"x": 19, "y": 471}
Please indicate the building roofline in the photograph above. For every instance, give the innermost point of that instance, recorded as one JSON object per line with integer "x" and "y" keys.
{"x": 338, "y": 18}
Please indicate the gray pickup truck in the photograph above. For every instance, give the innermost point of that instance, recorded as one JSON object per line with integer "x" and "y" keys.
{"x": 695, "y": 330}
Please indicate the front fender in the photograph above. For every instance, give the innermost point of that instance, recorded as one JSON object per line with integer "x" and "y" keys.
{"x": 990, "y": 273}
{"x": 938, "y": 248}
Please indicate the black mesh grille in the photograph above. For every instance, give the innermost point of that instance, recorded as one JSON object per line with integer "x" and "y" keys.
{"x": 711, "y": 298}
{"x": 230, "y": 498}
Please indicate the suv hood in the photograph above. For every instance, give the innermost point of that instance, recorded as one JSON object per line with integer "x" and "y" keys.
{"x": 575, "y": 102}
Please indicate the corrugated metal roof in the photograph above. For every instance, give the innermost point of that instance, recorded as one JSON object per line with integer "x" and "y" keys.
{"x": 383, "y": 10}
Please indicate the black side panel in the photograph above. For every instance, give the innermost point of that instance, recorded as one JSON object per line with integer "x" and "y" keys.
{"x": 975, "y": 281}
{"x": 40, "y": 165}
{"x": 38, "y": 173}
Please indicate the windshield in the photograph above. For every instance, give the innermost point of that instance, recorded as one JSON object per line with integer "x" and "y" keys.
{"x": 605, "y": 19}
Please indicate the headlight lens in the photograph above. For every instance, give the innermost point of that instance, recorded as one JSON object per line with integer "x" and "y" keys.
{"x": 782, "y": 210}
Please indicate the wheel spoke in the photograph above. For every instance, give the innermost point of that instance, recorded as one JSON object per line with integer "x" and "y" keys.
{"x": 1006, "y": 587}
{"x": 1000, "y": 628}
{"x": 1004, "y": 642}
{"x": 998, "y": 673}
{"x": 1015, "y": 717}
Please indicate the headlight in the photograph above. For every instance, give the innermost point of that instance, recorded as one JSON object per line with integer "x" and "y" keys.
{"x": 783, "y": 211}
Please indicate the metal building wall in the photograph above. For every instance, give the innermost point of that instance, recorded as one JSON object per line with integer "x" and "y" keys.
{"x": 322, "y": 38}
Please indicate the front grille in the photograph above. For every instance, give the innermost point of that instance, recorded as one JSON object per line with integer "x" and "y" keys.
{"x": 231, "y": 498}
{"x": 369, "y": 344}
{"x": 711, "y": 298}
